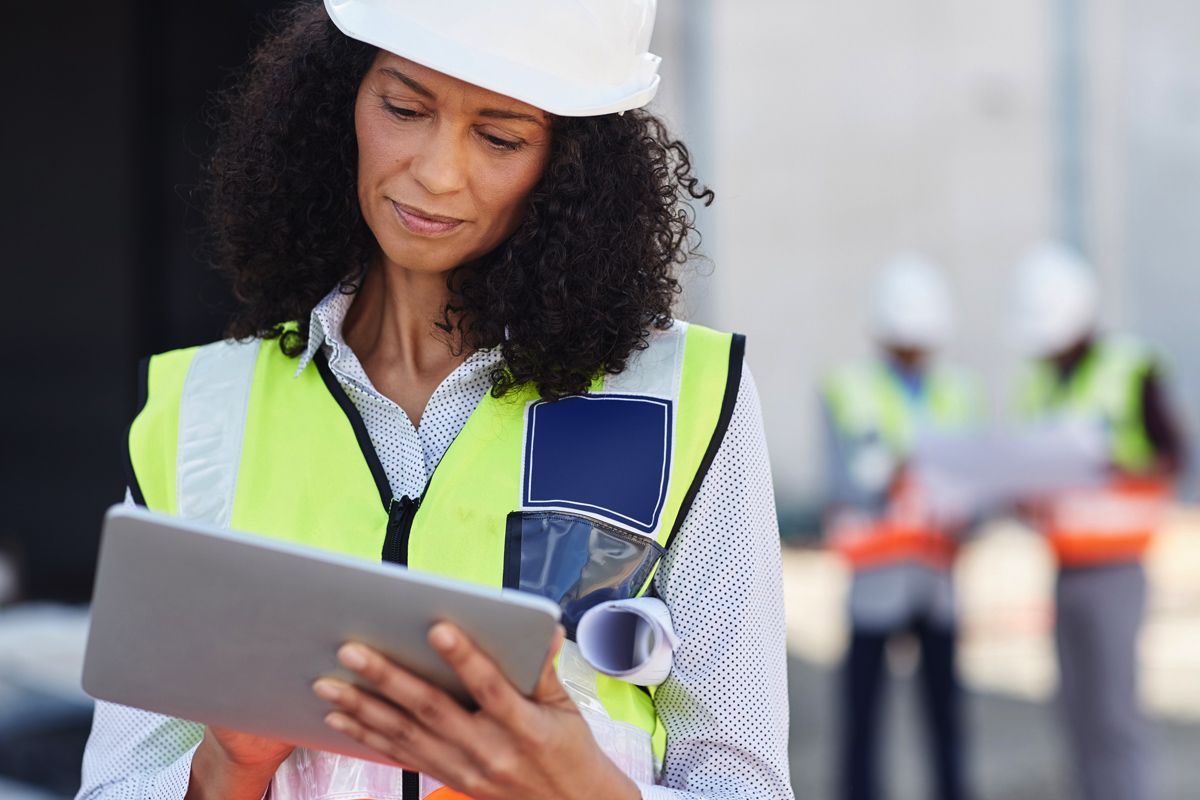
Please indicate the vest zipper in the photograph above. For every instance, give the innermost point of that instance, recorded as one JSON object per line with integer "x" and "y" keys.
{"x": 399, "y": 528}
{"x": 401, "y": 514}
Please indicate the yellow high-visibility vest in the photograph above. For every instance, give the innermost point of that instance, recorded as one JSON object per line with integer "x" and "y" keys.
{"x": 576, "y": 499}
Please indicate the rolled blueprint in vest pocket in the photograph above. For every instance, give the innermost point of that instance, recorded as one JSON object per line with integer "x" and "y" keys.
{"x": 632, "y": 640}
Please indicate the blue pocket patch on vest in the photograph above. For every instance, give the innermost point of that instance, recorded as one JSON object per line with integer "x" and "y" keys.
{"x": 605, "y": 455}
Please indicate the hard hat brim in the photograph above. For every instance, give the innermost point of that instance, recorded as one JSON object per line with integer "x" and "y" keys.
{"x": 543, "y": 90}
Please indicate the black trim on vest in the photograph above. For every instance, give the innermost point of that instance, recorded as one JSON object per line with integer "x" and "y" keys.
{"x": 737, "y": 351}
{"x": 360, "y": 429}
{"x": 400, "y": 512}
{"x": 143, "y": 394}
{"x": 512, "y": 551}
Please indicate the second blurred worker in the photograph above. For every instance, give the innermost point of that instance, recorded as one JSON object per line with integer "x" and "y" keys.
{"x": 900, "y": 555}
{"x": 1112, "y": 385}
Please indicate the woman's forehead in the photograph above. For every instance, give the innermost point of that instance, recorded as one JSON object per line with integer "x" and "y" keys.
{"x": 434, "y": 85}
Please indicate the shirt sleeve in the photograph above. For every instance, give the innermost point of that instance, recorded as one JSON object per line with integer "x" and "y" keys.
{"x": 133, "y": 754}
{"x": 724, "y": 704}
{"x": 137, "y": 755}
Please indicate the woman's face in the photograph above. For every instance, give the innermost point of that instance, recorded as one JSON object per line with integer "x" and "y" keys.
{"x": 444, "y": 167}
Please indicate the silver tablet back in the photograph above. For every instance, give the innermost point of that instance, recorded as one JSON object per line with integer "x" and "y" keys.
{"x": 230, "y": 629}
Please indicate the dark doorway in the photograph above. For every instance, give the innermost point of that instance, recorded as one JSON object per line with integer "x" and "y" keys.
{"x": 102, "y": 141}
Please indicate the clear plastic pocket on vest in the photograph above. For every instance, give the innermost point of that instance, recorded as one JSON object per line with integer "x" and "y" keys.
{"x": 575, "y": 561}
{"x": 628, "y": 746}
{"x": 317, "y": 775}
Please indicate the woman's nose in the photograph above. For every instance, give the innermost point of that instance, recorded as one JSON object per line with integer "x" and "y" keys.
{"x": 440, "y": 165}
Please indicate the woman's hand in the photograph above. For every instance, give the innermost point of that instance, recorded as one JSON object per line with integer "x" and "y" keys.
{"x": 512, "y": 748}
{"x": 232, "y": 765}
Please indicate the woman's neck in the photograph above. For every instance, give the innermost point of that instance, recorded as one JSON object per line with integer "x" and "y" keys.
{"x": 392, "y": 327}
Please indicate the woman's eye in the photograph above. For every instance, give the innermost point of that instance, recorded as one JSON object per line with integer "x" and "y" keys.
{"x": 401, "y": 111}
{"x": 502, "y": 144}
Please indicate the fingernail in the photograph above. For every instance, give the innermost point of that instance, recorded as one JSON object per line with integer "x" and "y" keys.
{"x": 441, "y": 637}
{"x": 336, "y": 722}
{"x": 353, "y": 657}
{"x": 327, "y": 690}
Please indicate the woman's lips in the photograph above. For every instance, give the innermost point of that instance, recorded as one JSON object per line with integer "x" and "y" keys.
{"x": 424, "y": 225}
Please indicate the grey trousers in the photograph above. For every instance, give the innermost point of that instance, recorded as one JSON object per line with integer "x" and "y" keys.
{"x": 1099, "y": 614}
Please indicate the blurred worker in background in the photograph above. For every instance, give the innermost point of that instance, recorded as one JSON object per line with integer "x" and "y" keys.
{"x": 900, "y": 554}
{"x": 1114, "y": 386}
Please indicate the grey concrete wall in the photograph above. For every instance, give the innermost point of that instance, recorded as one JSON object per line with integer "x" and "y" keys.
{"x": 839, "y": 133}
{"x": 845, "y": 132}
{"x": 1159, "y": 211}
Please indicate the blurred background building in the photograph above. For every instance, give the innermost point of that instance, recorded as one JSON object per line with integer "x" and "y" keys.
{"x": 835, "y": 134}
{"x": 838, "y": 134}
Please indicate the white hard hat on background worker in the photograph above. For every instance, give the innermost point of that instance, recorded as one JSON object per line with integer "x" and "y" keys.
{"x": 575, "y": 59}
{"x": 1057, "y": 301}
{"x": 911, "y": 307}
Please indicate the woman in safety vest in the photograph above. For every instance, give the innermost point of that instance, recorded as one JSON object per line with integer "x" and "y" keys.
{"x": 448, "y": 225}
{"x": 1111, "y": 386}
{"x": 900, "y": 554}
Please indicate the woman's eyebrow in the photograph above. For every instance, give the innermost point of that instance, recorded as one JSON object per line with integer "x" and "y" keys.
{"x": 419, "y": 88}
{"x": 499, "y": 113}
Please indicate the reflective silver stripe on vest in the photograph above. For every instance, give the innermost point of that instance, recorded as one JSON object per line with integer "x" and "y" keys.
{"x": 212, "y": 421}
{"x": 655, "y": 371}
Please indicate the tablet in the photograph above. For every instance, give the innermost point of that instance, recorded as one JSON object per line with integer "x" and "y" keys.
{"x": 231, "y": 629}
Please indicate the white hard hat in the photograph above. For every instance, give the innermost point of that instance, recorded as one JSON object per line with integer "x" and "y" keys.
{"x": 1057, "y": 299}
{"x": 574, "y": 58}
{"x": 912, "y": 306}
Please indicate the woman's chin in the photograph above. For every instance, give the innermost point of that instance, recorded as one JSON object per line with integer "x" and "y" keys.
{"x": 422, "y": 260}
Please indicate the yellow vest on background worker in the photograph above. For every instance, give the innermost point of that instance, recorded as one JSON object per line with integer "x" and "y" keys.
{"x": 1116, "y": 522}
{"x": 871, "y": 413}
{"x": 1058, "y": 310}
{"x": 232, "y": 434}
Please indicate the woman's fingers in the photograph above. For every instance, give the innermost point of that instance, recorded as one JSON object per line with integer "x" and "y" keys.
{"x": 504, "y": 749}
{"x": 424, "y": 753}
{"x": 391, "y": 731}
{"x": 549, "y": 688}
{"x": 381, "y": 743}
{"x": 431, "y": 708}
{"x": 483, "y": 679}
{"x": 423, "y": 701}
{"x": 377, "y": 714}
{"x": 413, "y": 723}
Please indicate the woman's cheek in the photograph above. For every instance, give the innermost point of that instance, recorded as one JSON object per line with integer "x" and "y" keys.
{"x": 515, "y": 183}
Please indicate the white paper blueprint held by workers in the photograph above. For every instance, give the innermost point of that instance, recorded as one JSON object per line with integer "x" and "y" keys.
{"x": 971, "y": 473}
{"x": 632, "y": 640}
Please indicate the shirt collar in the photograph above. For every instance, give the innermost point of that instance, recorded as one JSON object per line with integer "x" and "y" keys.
{"x": 325, "y": 328}
{"x": 325, "y": 325}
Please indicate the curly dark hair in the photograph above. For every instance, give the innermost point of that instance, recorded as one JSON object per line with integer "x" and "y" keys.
{"x": 576, "y": 289}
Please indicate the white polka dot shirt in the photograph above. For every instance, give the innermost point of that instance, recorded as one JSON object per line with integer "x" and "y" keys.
{"x": 724, "y": 704}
